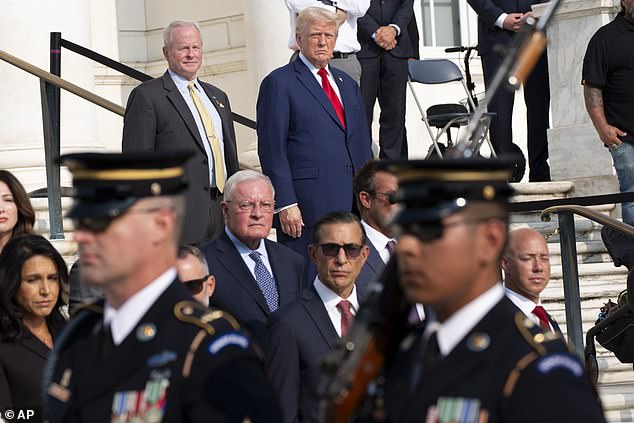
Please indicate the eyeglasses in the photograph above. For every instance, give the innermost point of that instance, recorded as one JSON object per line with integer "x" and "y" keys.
{"x": 248, "y": 206}
{"x": 389, "y": 196}
{"x": 194, "y": 286}
{"x": 332, "y": 249}
{"x": 101, "y": 223}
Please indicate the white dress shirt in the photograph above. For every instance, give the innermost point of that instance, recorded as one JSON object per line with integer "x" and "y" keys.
{"x": 455, "y": 328}
{"x": 347, "y": 41}
{"x": 525, "y": 305}
{"x": 331, "y": 299}
{"x": 244, "y": 252}
{"x": 181, "y": 84}
{"x": 379, "y": 241}
{"x": 123, "y": 319}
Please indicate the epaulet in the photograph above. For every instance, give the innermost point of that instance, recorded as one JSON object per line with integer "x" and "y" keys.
{"x": 211, "y": 322}
{"x": 546, "y": 352}
{"x": 94, "y": 308}
{"x": 537, "y": 338}
{"x": 208, "y": 319}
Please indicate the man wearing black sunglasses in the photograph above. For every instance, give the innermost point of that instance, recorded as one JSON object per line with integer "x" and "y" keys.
{"x": 148, "y": 352}
{"x": 305, "y": 330}
{"x": 477, "y": 357}
{"x": 193, "y": 272}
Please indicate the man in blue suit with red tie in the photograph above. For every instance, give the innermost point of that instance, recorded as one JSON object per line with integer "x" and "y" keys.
{"x": 312, "y": 132}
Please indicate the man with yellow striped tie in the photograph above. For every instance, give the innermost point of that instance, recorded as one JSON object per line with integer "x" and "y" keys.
{"x": 178, "y": 111}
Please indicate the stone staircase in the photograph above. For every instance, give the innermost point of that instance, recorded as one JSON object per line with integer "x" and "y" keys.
{"x": 599, "y": 281}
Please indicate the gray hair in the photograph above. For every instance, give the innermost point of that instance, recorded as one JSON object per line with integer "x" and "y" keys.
{"x": 245, "y": 176}
{"x": 167, "y": 32}
{"x": 316, "y": 14}
{"x": 187, "y": 250}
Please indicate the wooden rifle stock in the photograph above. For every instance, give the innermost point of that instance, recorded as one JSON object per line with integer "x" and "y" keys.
{"x": 358, "y": 358}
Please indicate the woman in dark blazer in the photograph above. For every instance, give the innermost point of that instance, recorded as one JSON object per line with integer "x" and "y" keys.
{"x": 31, "y": 277}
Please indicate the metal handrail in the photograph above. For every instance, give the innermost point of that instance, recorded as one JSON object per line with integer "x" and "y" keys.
{"x": 61, "y": 83}
{"x": 569, "y": 265}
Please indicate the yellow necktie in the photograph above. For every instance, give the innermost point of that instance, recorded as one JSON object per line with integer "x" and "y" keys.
{"x": 219, "y": 169}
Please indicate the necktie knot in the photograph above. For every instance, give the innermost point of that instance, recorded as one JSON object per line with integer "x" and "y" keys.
{"x": 391, "y": 246}
{"x": 322, "y": 72}
{"x": 255, "y": 256}
{"x": 540, "y": 312}
{"x": 344, "y": 307}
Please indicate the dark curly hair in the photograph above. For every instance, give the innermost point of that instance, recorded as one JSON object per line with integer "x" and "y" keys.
{"x": 15, "y": 253}
{"x": 26, "y": 214}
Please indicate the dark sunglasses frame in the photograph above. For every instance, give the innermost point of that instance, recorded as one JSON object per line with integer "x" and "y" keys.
{"x": 195, "y": 286}
{"x": 101, "y": 223}
{"x": 330, "y": 249}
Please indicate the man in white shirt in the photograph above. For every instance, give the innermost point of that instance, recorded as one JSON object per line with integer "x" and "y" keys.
{"x": 302, "y": 332}
{"x": 373, "y": 191}
{"x": 119, "y": 358}
{"x": 193, "y": 272}
{"x": 477, "y": 355}
{"x": 526, "y": 265}
{"x": 344, "y": 56}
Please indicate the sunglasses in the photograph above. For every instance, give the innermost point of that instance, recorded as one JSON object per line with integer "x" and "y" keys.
{"x": 101, "y": 223}
{"x": 332, "y": 249}
{"x": 433, "y": 231}
{"x": 194, "y": 286}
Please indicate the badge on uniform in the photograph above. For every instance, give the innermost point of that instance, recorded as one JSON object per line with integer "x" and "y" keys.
{"x": 457, "y": 410}
{"x": 147, "y": 405}
{"x": 231, "y": 338}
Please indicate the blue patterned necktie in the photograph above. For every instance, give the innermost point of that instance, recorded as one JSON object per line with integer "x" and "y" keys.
{"x": 265, "y": 281}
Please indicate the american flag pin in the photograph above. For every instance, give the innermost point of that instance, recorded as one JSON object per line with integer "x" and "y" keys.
{"x": 340, "y": 79}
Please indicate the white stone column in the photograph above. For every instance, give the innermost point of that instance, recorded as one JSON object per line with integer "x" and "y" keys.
{"x": 26, "y": 34}
{"x": 576, "y": 152}
{"x": 267, "y": 28}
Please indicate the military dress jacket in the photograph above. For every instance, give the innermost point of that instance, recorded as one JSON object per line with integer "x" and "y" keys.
{"x": 504, "y": 370}
{"x": 181, "y": 363}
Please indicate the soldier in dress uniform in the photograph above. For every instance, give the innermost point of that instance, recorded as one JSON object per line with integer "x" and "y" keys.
{"x": 149, "y": 353}
{"x": 476, "y": 358}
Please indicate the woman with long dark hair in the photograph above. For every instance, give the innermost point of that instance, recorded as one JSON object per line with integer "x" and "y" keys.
{"x": 32, "y": 273}
{"x": 16, "y": 212}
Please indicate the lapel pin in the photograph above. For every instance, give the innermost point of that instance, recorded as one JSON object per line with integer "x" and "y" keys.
{"x": 146, "y": 332}
{"x": 478, "y": 342}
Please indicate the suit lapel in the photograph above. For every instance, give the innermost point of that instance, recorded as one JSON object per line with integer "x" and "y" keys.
{"x": 283, "y": 279}
{"x": 177, "y": 100}
{"x": 229, "y": 257}
{"x": 317, "y": 312}
{"x": 30, "y": 342}
{"x": 461, "y": 361}
{"x": 374, "y": 260}
{"x": 131, "y": 354}
{"x": 227, "y": 124}
{"x": 309, "y": 81}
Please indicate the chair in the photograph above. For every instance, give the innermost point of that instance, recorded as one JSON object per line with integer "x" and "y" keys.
{"x": 443, "y": 117}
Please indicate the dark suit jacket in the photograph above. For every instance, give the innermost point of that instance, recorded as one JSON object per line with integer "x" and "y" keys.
{"x": 552, "y": 385}
{"x": 238, "y": 293}
{"x": 157, "y": 118}
{"x": 300, "y": 335}
{"x": 370, "y": 272}
{"x": 382, "y": 13}
{"x": 21, "y": 367}
{"x": 303, "y": 147}
{"x": 212, "y": 372}
{"x": 488, "y": 12}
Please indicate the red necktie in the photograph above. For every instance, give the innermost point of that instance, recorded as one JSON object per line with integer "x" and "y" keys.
{"x": 543, "y": 317}
{"x": 332, "y": 95}
{"x": 346, "y": 316}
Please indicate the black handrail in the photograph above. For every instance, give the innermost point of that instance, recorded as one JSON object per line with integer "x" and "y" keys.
{"x": 129, "y": 71}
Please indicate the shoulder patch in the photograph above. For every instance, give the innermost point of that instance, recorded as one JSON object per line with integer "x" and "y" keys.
{"x": 231, "y": 338}
{"x": 533, "y": 334}
{"x": 203, "y": 317}
{"x": 559, "y": 361}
